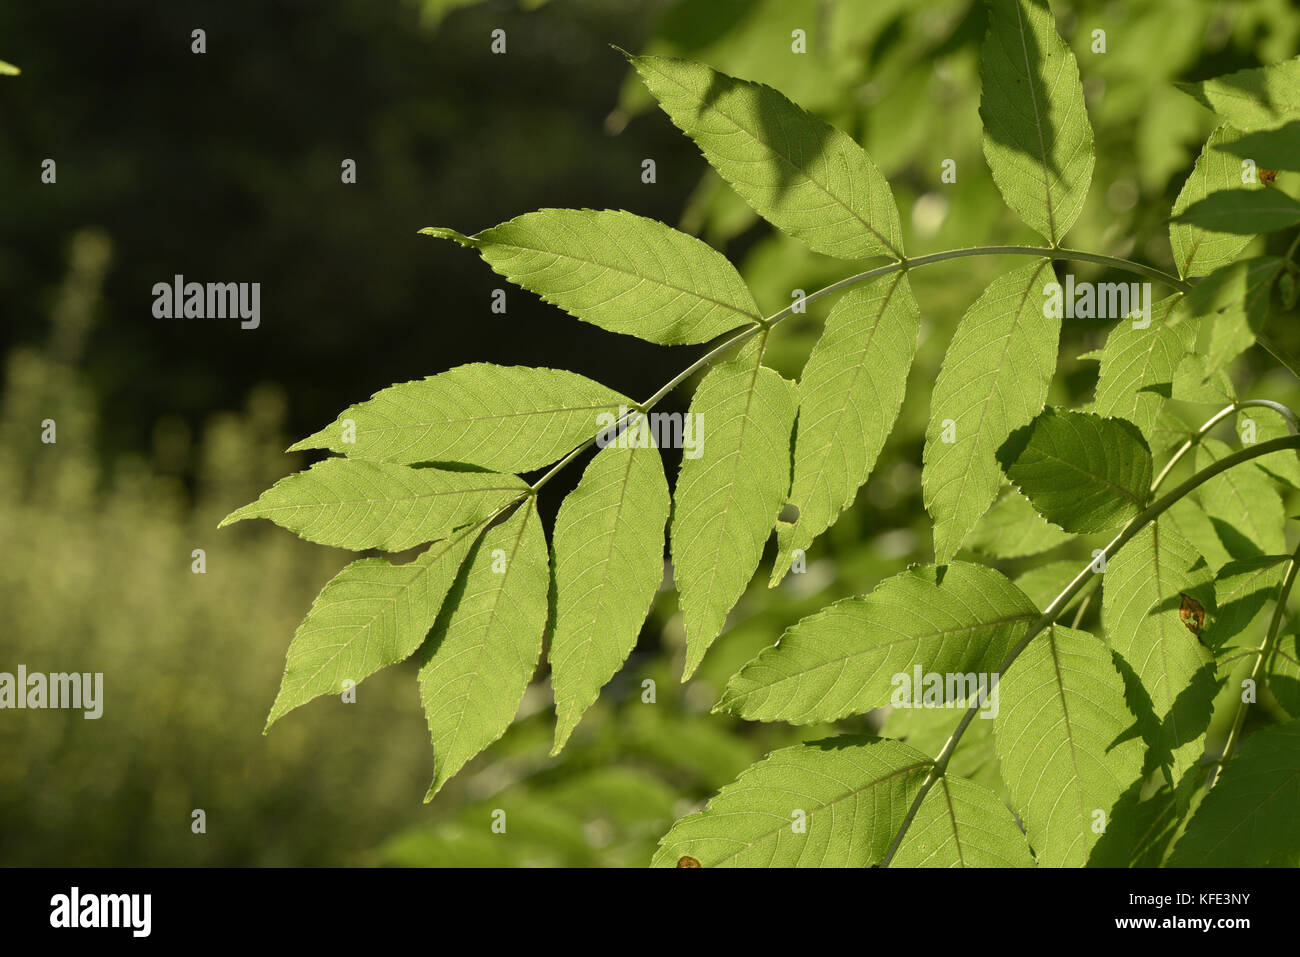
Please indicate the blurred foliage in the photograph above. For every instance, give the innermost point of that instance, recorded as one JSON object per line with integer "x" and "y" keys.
{"x": 180, "y": 177}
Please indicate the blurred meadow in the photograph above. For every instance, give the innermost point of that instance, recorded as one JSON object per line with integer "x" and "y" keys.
{"x": 225, "y": 167}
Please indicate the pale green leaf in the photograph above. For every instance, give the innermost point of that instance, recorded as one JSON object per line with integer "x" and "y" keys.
{"x": 804, "y": 176}
{"x": 371, "y": 614}
{"x": 608, "y": 545}
{"x": 1241, "y": 589}
{"x": 1138, "y": 365}
{"x": 835, "y": 803}
{"x": 1187, "y": 517}
{"x": 1043, "y": 582}
{"x": 1081, "y": 471}
{"x": 1037, "y": 138}
{"x": 928, "y": 730}
{"x": 1142, "y": 613}
{"x": 1242, "y": 212}
{"x": 1260, "y": 424}
{"x": 729, "y": 495}
{"x": 1012, "y": 529}
{"x": 993, "y": 380}
{"x": 863, "y": 653}
{"x": 353, "y": 503}
{"x": 8, "y": 69}
{"x": 1284, "y": 673}
{"x": 503, "y": 418}
{"x": 1249, "y": 818}
{"x": 1198, "y": 251}
{"x": 849, "y": 395}
{"x": 1277, "y": 149}
{"x": 1233, "y": 302}
{"x": 484, "y": 647}
{"x": 1062, "y": 740}
{"x": 1243, "y": 505}
{"x": 1254, "y": 99}
{"x": 619, "y": 271}
{"x": 962, "y": 824}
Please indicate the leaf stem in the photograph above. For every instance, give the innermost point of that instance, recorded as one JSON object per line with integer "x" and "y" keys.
{"x": 1048, "y": 618}
{"x": 1265, "y": 652}
{"x": 764, "y": 325}
{"x": 1292, "y": 420}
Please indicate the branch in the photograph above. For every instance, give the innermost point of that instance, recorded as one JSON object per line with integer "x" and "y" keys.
{"x": 1053, "y": 611}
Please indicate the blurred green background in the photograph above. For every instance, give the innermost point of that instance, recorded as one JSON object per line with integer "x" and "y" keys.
{"x": 225, "y": 166}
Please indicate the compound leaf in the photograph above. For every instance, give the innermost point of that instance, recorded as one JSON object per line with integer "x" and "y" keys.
{"x": 798, "y": 172}
{"x": 503, "y": 418}
{"x": 849, "y": 395}
{"x": 1037, "y": 138}
{"x": 835, "y": 803}
{"x": 993, "y": 380}
{"x": 860, "y": 653}
{"x": 485, "y": 644}
{"x": 371, "y": 614}
{"x": 1197, "y": 250}
{"x": 1082, "y": 472}
{"x": 1254, "y": 99}
{"x": 1012, "y": 529}
{"x": 729, "y": 494}
{"x": 608, "y": 545}
{"x": 1248, "y": 819}
{"x": 619, "y": 271}
{"x": 357, "y": 504}
{"x": 1062, "y": 745}
{"x": 1142, "y": 611}
{"x": 962, "y": 824}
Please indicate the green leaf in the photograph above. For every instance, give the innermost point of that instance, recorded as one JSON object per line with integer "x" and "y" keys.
{"x": 849, "y": 396}
{"x": 1037, "y": 138}
{"x": 8, "y": 69}
{"x": 994, "y": 379}
{"x": 1243, "y": 505}
{"x": 729, "y": 495}
{"x": 1082, "y": 472}
{"x": 1249, "y": 817}
{"x": 1277, "y": 149}
{"x": 619, "y": 271}
{"x": 1187, "y": 517}
{"x": 1141, "y": 611}
{"x": 1284, "y": 673}
{"x": 1233, "y": 302}
{"x": 1265, "y": 424}
{"x": 484, "y": 647}
{"x": 962, "y": 824}
{"x": 352, "y": 503}
{"x": 1198, "y": 251}
{"x": 1241, "y": 589}
{"x": 503, "y": 418}
{"x": 798, "y": 172}
{"x": 853, "y": 793}
{"x": 1043, "y": 582}
{"x": 1138, "y": 366}
{"x": 1242, "y": 212}
{"x": 1012, "y": 529}
{"x": 371, "y": 614}
{"x": 1062, "y": 742}
{"x": 1252, "y": 99}
{"x": 609, "y": 547}
{"x": 861, "y": 653}
{"x": 928, "y": 730}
